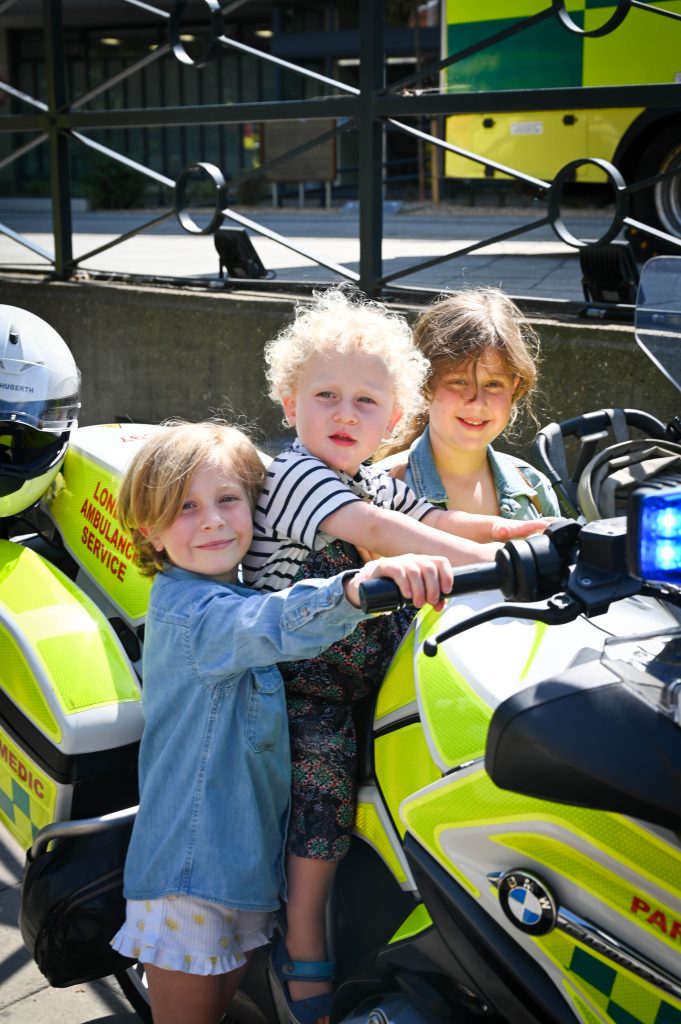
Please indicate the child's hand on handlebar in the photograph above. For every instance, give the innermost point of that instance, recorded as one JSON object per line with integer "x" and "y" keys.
{"x": 422, "y": 579}
{"x": 516, "y": 529}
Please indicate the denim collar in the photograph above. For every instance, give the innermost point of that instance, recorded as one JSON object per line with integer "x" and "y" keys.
{"x": 421, "y": 474}
{"x": 186, "y": 574}
{"x": 423, "y": 478}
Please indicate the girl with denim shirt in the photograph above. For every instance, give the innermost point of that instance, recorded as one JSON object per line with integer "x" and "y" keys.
{"x": 205, "y": 866}
{"x": 483, "y": 371}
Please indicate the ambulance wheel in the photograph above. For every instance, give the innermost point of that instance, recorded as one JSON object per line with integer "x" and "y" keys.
{"x": 134, "y": 985}
{"x": 660, "y": 204}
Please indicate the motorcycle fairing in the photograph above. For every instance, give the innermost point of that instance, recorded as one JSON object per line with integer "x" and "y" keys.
{"x": 69, "y": 700}
{"x": 496, "y": 972}
{"x": 373, "y": 825}
{"x": 458, "y": 689}
{"x": 403, "y": 766}
{"x": 453, "y": 716}
{"x": 62, "y": 665}
{"x": 29, "y": 799}
{"x": 602, "y": 868}
{"x": 417, "y": 922}
{"x": 396, "y": 699}
{"x": 82, "y": 505}
{"x": 627, "y": 758}
{"x": 474, "y": 671}
{"x": 400, "y": 758}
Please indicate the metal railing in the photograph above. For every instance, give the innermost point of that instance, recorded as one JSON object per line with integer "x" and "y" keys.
{"x": 62, "y": 122}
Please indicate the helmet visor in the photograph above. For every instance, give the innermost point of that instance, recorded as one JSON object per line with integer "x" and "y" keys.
{"x": 41, "y": 397}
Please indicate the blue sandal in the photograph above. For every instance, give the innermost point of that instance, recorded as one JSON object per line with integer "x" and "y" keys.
{"x": 302, "y": 1011}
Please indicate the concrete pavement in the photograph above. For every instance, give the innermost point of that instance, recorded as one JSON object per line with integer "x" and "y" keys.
{"x": 535, "y": 264}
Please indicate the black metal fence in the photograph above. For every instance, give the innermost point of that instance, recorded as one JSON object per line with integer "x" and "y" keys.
{"x": 61, "y": 121}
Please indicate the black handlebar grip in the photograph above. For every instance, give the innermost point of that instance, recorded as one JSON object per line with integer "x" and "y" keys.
{"x": 383, "y": 595}
{"x": 380, "y": 595}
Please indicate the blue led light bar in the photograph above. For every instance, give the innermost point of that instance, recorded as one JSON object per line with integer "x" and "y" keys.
{"x": 659, "y": 537}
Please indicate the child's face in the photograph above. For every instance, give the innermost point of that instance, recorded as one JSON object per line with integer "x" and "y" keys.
{"x": 342, "y": 407}
{"x": 214, "y": 528}
{"x": 472, "y": 403}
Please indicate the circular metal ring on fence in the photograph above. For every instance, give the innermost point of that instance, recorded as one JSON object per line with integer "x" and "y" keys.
{"x": 567, "y": 174}
{"x": 621, "y": 11}
{"x": 175, "y": 30}
{"x": 181, "y": 211}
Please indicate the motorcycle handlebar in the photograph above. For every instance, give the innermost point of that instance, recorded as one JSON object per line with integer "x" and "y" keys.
{"x": 383, "y": 595}
{"x": 526, "y": 570}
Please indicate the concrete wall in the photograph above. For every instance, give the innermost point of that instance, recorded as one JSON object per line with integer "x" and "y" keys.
{"x": 149, "y": 353}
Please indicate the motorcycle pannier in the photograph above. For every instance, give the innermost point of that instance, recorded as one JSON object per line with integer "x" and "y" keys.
{"x": 72, "y": 905}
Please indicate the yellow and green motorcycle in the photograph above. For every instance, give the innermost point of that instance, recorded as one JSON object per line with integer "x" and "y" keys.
{"x": 517, "y": 854}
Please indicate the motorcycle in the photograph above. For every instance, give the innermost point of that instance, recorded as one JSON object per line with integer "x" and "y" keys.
{"x": 517, "y": 851}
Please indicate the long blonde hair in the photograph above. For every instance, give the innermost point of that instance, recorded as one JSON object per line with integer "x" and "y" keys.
{"x": 156, "y": 482}
{"x": 460, "y": 327}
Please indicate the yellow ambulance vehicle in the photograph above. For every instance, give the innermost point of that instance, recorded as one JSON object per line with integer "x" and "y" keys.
{"x": 644, "y": 48}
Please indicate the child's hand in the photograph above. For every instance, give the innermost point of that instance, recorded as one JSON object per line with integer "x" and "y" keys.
{"x": 422, "y": 579}
{"x": 514, "y": 529}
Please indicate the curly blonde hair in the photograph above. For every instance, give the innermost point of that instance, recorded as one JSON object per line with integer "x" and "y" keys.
{"x": 460, "y": 327}
{"x": 342, "y": 321}
{"x": 156, "y": 482}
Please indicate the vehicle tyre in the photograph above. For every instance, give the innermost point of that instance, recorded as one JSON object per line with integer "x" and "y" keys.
{"x": 660, "y": 204}
{"x": 134, "y": 985}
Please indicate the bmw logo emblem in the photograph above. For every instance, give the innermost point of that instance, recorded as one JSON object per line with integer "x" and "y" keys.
{"x": 527, "y": 902}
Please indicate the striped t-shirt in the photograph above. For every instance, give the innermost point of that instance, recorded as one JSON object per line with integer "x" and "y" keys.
{"x": 299, "y": 492}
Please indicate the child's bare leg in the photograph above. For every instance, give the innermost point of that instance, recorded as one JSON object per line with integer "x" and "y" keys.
{"x": 177, "y": 997}
{"x": 309, "y": 888}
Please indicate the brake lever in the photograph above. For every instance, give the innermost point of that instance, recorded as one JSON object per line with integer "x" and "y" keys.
{"x": 555, "y": 611}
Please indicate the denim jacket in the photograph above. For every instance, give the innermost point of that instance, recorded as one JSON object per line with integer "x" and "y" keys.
{"x": 214, "y": 761}
{"x": 516, "y": 481}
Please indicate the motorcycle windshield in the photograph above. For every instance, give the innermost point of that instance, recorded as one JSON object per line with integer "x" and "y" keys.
{"x": 658, "y": 315}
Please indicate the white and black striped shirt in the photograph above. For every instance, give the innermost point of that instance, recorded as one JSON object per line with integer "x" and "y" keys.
{"x": 299, "y": 492}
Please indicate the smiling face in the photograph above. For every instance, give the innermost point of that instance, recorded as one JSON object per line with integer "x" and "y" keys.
{"x": 342, "y": 407}
{"x": 214, "y": 527}
{"x": 471, "y": 403}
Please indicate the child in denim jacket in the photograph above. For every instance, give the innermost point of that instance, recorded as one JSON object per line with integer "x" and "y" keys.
{"x": 205, "y": 867}
{"x": 483, "y": 367}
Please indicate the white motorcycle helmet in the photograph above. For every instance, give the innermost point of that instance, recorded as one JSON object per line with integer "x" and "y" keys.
{"x": 39, "y": 403}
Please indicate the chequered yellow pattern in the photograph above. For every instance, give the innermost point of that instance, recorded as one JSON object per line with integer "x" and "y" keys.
{"x": 584, "y": 1013}
{"x": 472, "y": 10}
{"x": 472, "y": 802}
{"x": 27, "y": 795}
{"x": 545, "y": 55}
{"x": 616, "y": 996}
